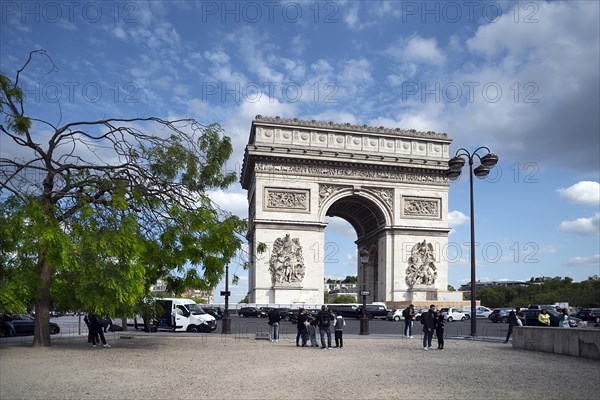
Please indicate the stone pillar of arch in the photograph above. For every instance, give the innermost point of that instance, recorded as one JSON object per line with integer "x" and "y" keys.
{"x": 389, "y": 184}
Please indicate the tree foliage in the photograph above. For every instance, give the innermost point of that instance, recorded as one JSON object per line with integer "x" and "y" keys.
{"x": 550, "y": 291}
{"x": 344, "y": 299}
{"x": 94, "y": 212}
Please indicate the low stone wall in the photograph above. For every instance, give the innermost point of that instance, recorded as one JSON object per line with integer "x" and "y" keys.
{"x": 579, "y": 342}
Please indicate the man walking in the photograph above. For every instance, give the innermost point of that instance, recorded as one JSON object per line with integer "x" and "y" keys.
{"x": 427, "y": 319}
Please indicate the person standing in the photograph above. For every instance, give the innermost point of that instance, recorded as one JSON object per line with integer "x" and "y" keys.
{"x": 512, "y": 321}
{"x": 274, "y": 318}
{"x": 544, "y": 318}
{"x": 427, "y": 319}
{"x": 564, "y": 319}
{"x": 96, "y": 330}
{"x": 302, "y": 330}
{"x": 339, "y": 331}
{"x": 7, "y": 321}
{"x": 312, "y": 332}
{"x": 409, "y": 316}
{"x": 439, "y": 329}
{"x": 324, "y": 318}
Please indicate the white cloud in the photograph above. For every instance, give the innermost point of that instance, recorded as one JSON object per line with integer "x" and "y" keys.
{"x": 584, "y": 192}
{"x": 340, "y": 227}
{"x": 217, "y": 56}
{"x": 593, "y": 260}
{"x": 548, "y": 74}
{"x": 457, "y": 218}
{"x": 583, "y": 226}
{"x": 417, "y": 49}
{"x": 235, "y": 203}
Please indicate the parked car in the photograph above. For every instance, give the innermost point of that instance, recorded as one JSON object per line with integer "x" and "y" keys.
{"x": 589, "y": 314}
{"x": 481, "y": 311}
{"x": 500, "y": 314}
{"x": 453, "y": 314}
{"x": 215, "y": 311}
{"x": 373, "y": 311}
{"x": 346, "y": 310}
{"x": 395, "y": 315}
{"x": 24, "y": 325}
{"x": 531, "y": 317}
{"x": 251, "y": 312}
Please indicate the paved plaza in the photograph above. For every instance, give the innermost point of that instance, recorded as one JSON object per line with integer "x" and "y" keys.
{"x": 230, "y": 367}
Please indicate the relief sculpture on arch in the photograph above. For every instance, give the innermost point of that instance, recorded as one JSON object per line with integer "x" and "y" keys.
{"x": 286, "y": 264}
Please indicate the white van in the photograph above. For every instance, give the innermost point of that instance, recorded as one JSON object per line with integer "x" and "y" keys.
{"x": 189, "y": 316}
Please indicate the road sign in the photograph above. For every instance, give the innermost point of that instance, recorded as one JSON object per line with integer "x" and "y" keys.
{"x": 364, "y": 293}
{"x": 225, "y": 293}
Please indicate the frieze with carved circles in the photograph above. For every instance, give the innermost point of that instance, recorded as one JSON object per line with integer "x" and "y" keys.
{"x": 287, "y": 199}
{"x": 421, "y": 207}
{"x": 348, "y": 126}
{"x": 348, "y": 172}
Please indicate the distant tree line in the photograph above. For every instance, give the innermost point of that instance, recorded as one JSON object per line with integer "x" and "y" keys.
{"x": 550, "y": 291}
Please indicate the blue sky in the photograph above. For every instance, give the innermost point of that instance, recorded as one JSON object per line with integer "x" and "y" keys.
{"x": 519, "y": 77}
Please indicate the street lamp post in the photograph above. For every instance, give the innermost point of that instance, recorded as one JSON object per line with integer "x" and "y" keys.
{"x": 487, "y": 162}
{"x": 364, "y": 320}
{"x": 226, "y": 322}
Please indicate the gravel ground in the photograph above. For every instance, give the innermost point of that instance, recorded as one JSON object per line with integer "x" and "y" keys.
{"x": 223, "y": 367}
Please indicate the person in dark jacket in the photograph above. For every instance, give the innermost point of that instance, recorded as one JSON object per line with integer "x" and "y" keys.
{"x": 96, "y": 330}
{"x": 7, "y": 321}
{"x": 439, "y": 329}
{"x": 325, "y": 317}
{"x": 274, "y": 318}
{"x": 427, "y": 319}
{"x": 302, "y": 328}
{"x": 512, "y": 321}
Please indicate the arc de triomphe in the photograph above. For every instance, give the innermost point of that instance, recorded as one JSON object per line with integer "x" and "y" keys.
{"x": 389, "y": 184}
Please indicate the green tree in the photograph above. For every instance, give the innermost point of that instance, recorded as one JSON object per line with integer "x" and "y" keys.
{"x": 101, "y": 209}
{"x": 343, "y": 299}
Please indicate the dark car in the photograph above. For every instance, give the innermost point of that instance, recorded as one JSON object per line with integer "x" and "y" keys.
{"x": 589, "y": 314}
{"x": 216, "y": 312}
{"x": 345, "y": 310}
{"x": 24, "y": 325}
{"x": 531, "y": 318}
{"x": 251, "y": 312}
{"x": 373, "y": 311}
{"x": 500, "y": 314}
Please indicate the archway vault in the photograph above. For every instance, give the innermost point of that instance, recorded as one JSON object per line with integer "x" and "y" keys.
{"x": 389, "y": 184}
{"x": 363, "y": 210}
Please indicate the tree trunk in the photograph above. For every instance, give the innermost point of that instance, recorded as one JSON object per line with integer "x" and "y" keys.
{"x": 41, "y": 333}
{"x": 124, "y": 323}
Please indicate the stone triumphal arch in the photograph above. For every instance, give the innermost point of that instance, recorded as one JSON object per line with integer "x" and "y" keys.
{"x": 389, "y": 184}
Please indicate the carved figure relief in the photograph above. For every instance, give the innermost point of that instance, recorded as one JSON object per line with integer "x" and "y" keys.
{"x": 287, "y": 199}
{"x": 421, "y": 265}
{"x": 386, "y": 195}
{"x": 327, "y": 190}
{"x": 414, "y": 207}
{"x": 286, "y": 263}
